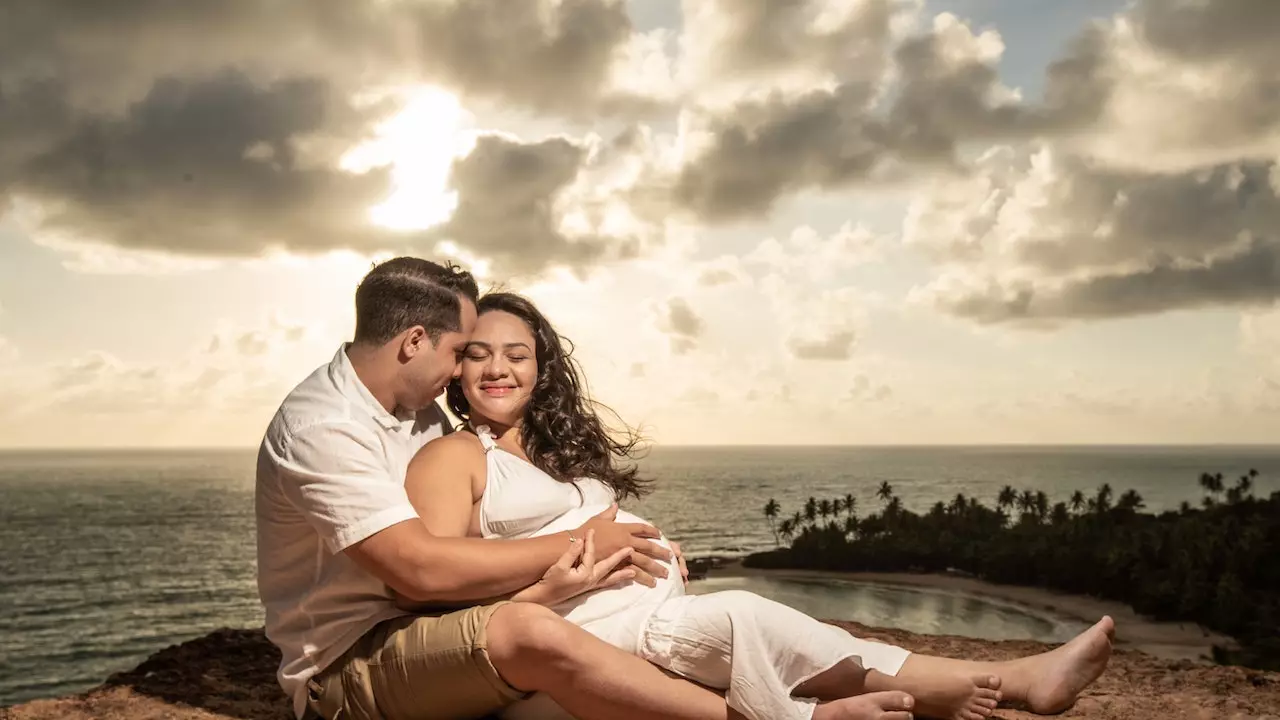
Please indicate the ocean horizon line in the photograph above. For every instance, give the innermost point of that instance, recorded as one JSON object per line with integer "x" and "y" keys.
{"x": 86, "y": 449}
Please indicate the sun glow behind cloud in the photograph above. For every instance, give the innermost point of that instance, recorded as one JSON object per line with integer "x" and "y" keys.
{"x": 420, "y": 143}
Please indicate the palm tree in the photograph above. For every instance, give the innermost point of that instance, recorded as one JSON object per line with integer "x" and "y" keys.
{"x": 850, "y": 504}
{"x": 1130, "y": 501}
{"x": 1104, "y": 498}
{"x": 1008, "y": 496}
{"x": 1060, "y": 515}
{"x": 811, "y": 509}
{"x": 894, "y": 508}
{"x": 1027, "y": 501}
{"x": 1245, "y": 485}
{"x": 1212, "y": 484}
{"x": 885, "y": 492}
{"x": 1077, "y": 501}
{"x": 824, "y": 508}
{"x": 959, "y": 504}
{"x": 771, "y": 510}
{"x": 1234, "y": 495}
{"x": 787, "y": 529}
{"x": 851, "y": 525}
{"x": 1042, "y": 505}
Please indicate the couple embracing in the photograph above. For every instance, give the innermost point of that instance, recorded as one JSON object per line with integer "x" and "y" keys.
{"x": 411, "y": 570}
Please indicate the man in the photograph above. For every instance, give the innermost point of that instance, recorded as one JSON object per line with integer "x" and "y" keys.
{"x": 336, "y": 531}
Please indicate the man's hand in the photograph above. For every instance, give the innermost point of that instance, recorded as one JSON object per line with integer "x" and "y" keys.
{"x": 612, "y": 536}
{"x": 684, "y": 569}
{"x": 577, "y": 572}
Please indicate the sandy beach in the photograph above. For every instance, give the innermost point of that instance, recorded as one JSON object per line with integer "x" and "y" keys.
{"x": 1167, "y": 640}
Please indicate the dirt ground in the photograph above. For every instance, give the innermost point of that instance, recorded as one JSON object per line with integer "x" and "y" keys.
{"x": 230, "y": 675}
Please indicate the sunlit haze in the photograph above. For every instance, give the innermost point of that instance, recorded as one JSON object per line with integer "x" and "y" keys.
{"x": 834, "y": 222}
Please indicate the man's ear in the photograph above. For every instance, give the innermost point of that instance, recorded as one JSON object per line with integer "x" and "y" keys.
{"x": 415, "y": 341}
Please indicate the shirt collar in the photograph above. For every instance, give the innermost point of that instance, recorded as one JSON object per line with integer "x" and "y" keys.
{"x": 344, "y": 376}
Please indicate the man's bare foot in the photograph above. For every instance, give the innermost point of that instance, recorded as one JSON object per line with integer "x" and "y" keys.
{"x": 1060, "y": 674}
{"x": 960, "y": 697}
{"x": 889, "y": 705}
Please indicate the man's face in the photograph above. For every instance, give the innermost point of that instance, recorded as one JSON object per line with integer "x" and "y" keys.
{"x": 432, "y": 368}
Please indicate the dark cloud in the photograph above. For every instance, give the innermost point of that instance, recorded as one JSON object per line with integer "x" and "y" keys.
{"x": 1210, "y": 30}
{"x": 1055, "y": 237}
{"x": 1165, "y": 85}
{"x": 864, "y": 390}
{"x": 732, "y": 39}
{"x": 836, "y": 346}
{"x": 1250, "y": 277}
{"x": 541, "y": 54}
{"x": 549, "y": 56}
{"x": 107, "y": 54}
{"x": 950, "y": 91}
{"x": 682, "y": 324}
{"x": 760, "y": 151}
{"x": 509, "y": 205}
{"x": 716, "y": 276}
{"x": 207, "y": 167}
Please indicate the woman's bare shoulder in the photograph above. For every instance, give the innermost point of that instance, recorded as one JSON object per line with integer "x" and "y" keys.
{"x": 456, "y": 454}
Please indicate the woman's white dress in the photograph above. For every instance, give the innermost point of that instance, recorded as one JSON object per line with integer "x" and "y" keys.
{"x": 754, "y": 649}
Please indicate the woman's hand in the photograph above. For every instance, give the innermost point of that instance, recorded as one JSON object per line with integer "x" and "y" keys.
{"x": 684, "y": 568}
{"x": 576, "y": 572}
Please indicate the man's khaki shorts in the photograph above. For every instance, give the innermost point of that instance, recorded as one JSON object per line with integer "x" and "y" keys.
{"x": 433, "y": 667}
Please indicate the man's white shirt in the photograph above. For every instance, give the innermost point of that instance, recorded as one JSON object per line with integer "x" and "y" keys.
{"x": 330, "y": 473}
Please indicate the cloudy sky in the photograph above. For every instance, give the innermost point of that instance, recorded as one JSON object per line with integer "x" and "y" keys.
{"x": 764, "y": 221}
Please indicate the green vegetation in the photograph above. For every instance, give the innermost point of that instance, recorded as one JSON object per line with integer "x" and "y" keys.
{"x": 1217, "y": 564}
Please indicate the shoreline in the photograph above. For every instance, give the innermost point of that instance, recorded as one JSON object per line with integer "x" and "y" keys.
{"x": 1165, "y": 640}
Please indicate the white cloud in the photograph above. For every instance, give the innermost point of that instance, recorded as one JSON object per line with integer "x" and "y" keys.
{"x": 239, "y": 375}
{"x": 1042, "y": 236}
{"x": 732, "y": 49}
{"x": 818, "y": 259}
{"x": 1181, "y": 85}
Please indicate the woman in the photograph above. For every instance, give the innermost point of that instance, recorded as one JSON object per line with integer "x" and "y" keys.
{"x": 536, "y": 459}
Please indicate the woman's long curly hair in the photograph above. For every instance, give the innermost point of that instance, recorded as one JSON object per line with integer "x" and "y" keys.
{"x": 562, "y": 433}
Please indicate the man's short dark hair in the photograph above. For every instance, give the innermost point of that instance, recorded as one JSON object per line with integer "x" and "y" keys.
{"x": 407, "y": 291}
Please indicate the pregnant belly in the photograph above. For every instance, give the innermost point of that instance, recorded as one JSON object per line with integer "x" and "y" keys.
{"x": 625, "y": 597}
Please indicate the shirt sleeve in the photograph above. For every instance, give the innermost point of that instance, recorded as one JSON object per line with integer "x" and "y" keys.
{"x": 335, "y": 474}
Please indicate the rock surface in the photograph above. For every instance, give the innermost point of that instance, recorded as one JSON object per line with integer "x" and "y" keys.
{"x": 230, "y": 675}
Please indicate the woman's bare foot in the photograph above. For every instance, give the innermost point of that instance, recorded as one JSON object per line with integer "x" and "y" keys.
{"x": 1058, "y": 676}
{"x": 957, "y": 697}
{"x": 889, "y": 705}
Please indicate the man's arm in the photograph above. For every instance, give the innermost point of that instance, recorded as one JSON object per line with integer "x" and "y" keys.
{"x": 425, "y": 568}
{"x": 335, "y": 476}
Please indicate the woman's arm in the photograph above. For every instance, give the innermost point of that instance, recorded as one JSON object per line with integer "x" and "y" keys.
{"x": 439, "y": 483}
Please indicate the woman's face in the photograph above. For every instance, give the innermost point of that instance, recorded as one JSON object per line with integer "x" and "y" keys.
{"x": 499, "y": 368}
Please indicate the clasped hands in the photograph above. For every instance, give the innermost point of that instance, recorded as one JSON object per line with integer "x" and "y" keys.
{"x": 605, "y": 553}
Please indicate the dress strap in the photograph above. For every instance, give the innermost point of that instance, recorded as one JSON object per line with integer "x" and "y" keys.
{"x": 486, "y": 437}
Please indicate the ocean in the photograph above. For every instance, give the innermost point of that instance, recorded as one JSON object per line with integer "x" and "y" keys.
{"x": 109, "y": 556}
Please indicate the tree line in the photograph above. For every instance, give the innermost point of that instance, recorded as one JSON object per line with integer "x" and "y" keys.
{"x": 1217, "y": 564}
